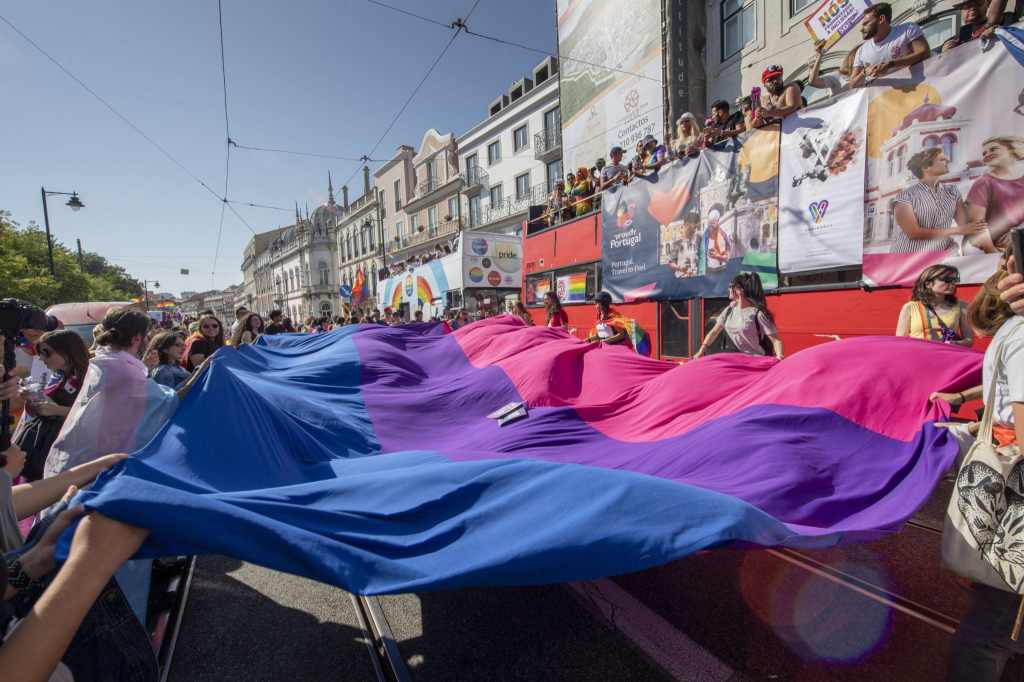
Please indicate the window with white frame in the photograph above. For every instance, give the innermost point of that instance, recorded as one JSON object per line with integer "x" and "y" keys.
{"x": 414, "y": 224}
{"x": 432, "y": 219}
{"x": 324, "y": 273}
{"x": 940, "y": 29}
{"x": 496, "y": 196}
{"x": 398, "y": 195}
{"x": 474, "y": 210}
{"x": 520, "y": 138}
{"x": 798, "y": 6}
{"x": 494, "y": 152}
{"x": 738, "y": 24}
{"x": 383, "y": 204}
{"x": 453, "y": 208}
{"x": 522, "y": 186}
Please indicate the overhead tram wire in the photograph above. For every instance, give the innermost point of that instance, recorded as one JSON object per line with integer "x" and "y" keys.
{"x": 124, "y": 119}
{"x": 236, "y": 145}
{"x": 461, "y": 24}
{"x": 227, "y": 146}
{"x": 160, "y": 148}
{"x": 458, "y": 26}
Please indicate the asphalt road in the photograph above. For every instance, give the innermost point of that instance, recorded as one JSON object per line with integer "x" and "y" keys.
{"x": 248, "y": 623}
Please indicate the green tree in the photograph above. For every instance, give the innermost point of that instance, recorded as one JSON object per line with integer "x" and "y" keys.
{"x": 25, "y": 272}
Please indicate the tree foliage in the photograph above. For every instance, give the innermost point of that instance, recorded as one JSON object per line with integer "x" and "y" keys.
{"x": 25, "y": 270}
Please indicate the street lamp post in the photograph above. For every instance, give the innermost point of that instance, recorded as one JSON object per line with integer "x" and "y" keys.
{"x": 74, "y": 202}
{"x": 145, "y": 289}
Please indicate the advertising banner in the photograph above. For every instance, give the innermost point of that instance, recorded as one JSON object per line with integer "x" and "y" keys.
{"x": 600, "y": 107}
{"x": 945, "y": 165}
{"x": 833, "y": 19}
{"x": 821, "y": 168}
{"x": 689, "y": 229}
{"x": 492, "y": 260}
{"x": 424, "y": 286}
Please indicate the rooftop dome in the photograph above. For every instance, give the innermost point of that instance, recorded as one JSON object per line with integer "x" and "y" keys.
{"x": 927, "y": 113}
{"x": 327, "y": 213}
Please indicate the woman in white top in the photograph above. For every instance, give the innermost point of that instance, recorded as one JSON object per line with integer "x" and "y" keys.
{"x": 747, "y": 320}
{"x": 981, "y": 645}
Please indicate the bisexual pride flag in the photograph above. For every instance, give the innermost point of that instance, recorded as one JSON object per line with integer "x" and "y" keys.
{"x": 365, "y": 457}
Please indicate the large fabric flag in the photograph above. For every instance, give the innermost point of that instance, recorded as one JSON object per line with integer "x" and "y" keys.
{"x": 366, "y": 458}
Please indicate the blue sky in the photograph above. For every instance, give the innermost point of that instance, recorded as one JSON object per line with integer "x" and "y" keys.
{"x": 308, "y": 75}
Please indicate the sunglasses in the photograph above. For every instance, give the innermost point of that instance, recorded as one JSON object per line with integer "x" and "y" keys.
{"x": 948, "y": 279}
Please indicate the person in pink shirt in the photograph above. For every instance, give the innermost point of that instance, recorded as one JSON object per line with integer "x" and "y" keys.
{"x": 997, "y": 197}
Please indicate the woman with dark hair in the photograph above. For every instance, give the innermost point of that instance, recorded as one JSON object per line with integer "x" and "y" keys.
{"x": 934, "y": 313}
{"x": 111, "y": 411}
{"x": 167, "y": 347}
{"x": 520, "y": 311}
{"x": 65, "y": 355}
{"x": 748, "y": 324}
{"x": 203, "y": 343}
{"x": 556, "y": 317}
{"x": 926, "y": 210}
{"x": 605, "y": 329}
{"x": 248, "y": 331}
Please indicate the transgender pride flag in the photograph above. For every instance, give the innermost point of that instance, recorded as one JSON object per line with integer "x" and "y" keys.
{"x": 365, "y": 458}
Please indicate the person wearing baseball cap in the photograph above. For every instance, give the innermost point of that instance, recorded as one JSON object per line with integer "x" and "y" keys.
{"x": 781, "y": 100}
{"x": 976, "y": 21}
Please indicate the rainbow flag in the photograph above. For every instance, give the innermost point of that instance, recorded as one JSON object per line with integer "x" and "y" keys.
{"x": 339, "y": 467}
{"x": 572, "y": 288}
{"x": 359, "y": 291}
{"x": 424, "y": 294}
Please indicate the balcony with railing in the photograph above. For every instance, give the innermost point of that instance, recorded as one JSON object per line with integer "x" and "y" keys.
{"x": 547, "y": 144}
{"x": 474, "y": 179}
{"x": 430, "y": 189}
{"x": 424, "y": 235}
{"x": 511, "y": 207}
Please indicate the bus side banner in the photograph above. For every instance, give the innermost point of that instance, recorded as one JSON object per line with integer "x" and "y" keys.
{"x": 687, "y": 230}
{"x": 945, "y": 164}
{"x": 821, "y": 179}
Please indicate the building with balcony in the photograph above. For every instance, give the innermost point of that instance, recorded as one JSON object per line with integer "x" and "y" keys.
{"x": 512, "y": 159}
{"x": 431, "y": 211}
{"x": 395, "y": 182}
{"x": 360, "y": 240}
{"x": 292, "y": 268}
{"x": 257, "y": 283}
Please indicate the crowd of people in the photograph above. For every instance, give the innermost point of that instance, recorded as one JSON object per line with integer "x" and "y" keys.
{"x": 68, "y": 432}
{"x": 886, "y": 48}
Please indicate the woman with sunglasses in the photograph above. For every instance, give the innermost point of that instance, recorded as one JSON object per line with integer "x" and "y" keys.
{"x": 203, "y": 343}
{"x": 933, "y": 312}
{"x": 166, "y": 349}
{"x": 65, "y": 355}
{"x": 250, "y": 329}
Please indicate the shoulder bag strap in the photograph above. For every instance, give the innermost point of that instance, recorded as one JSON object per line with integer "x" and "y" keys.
{"x": 945, "y": 327}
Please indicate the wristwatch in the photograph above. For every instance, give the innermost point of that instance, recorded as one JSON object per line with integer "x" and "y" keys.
{"x": 16, "y": 575}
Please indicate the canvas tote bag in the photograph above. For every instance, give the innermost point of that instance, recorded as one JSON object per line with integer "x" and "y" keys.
{"x": 983, "y": 534}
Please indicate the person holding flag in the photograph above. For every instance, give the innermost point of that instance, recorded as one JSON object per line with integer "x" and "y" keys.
{"x": 613, "y": 328}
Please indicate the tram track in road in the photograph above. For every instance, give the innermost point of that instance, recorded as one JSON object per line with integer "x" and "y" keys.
{"x": 387, "y": 661}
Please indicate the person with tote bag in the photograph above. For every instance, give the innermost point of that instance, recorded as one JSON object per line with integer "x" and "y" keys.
{"x": 983, "y": 536}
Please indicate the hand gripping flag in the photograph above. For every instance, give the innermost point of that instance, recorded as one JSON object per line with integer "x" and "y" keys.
{"x": 364, "y": 457}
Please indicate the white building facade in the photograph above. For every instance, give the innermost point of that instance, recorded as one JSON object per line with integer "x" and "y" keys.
{"x": 512, "y": 159}
{"x": 360, "y": 241}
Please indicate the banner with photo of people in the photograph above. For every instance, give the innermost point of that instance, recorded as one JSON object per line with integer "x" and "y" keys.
{"x": 821, "y": 170}
{"x": 687, "y": 230}
{"x": 945, "y": 165}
